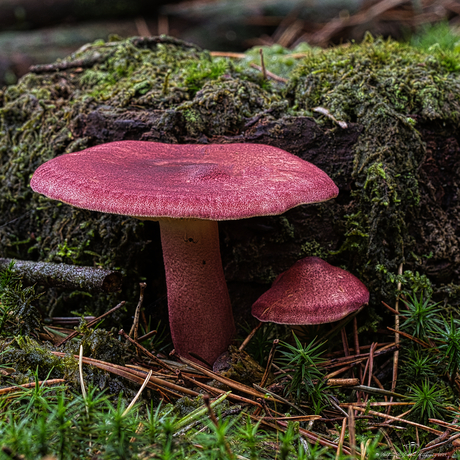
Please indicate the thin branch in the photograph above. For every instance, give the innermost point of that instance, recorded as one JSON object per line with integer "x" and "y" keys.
{"x": 269, "y": 363}
{"x": 397, "y": 337}
{"x": 47, "y": 383}
{"x": 249, "y": 337}
{"x": 269, "y": 74}
{"x": 341, "y": 439}
{"x": 397, "y": 419}
{"x": 133, "y": 333}
{"x": 145, "y": 351}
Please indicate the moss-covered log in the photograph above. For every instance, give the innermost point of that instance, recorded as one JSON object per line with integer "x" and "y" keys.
{"x": 397, "y": 164}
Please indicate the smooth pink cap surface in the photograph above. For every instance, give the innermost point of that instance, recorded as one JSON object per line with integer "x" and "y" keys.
{"x": 311, "y": 292}
{"x": 215, "y": 181}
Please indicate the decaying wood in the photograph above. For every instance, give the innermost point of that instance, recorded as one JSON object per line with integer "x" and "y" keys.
{"x": 65, "y": 276}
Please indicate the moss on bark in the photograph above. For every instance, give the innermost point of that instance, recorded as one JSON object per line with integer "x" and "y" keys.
{"x": 396, "y": 203}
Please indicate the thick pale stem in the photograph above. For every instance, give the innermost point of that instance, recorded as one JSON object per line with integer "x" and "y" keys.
{"x": 200, "y": 313}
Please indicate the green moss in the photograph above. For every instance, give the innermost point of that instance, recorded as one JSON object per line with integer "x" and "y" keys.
{"x": 388, "y": 88}
{"x": 277, "y": 59}
{"x": 28, "y": 356}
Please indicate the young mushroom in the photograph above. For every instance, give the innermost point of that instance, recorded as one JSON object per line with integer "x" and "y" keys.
{"x": 188, "y": 189}
{"x": 311, "y": 292}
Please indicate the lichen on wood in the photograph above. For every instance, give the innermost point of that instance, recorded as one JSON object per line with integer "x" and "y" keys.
{"x": 64, "y": 276}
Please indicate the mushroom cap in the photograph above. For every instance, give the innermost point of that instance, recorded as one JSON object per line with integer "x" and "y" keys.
{"x": 311, "y": 292}
{"x": 215, "y": 181}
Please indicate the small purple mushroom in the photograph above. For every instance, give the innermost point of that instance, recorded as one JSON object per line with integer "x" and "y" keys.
{"x": 311, "y": 292}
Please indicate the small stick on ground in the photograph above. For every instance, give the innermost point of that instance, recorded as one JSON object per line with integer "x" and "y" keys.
{"x": 227, "y": 54}
{"x": 249, "y": 337}
{"x": 211, "y": 413}
{"x": 338, "y": 372}
{"x": 341, "y": 439}
{"x": 313, "y": 437}
{"x": 371, "y": 366}
{"x": 218, "y": 392}
{"x": 147, "y": 336}
{"x": 410, "y": 337}
{"x": 378, "y": 391}
{"x": 397, "y": 419}
{"x": 133, "y": 333}
{"x": 342, "y": 382}
{"x": 213, "y": 418}
{"x": 262, "y": 64}
{"x": 269, "y": 363}
{"x": 66, "y": 65}
{"x": 357, "y": 349}
{"x": 145, "y": 351}
{"x": 48, "y": 383}
{"x": 371, "y": 363}
{"x": 379, "y": 384}
{"x": 346, "y": 348}
{"x": 377, "y": 404}
{"x": 388, "y": 440}
{"x": 449, "y": 426}
{"x": 439, "y": 444}
{"x": 269, "y": 74}
{"x": 351, "y": 431}
{"x": 397, "y": 336}
{"x": 391, "y": 309}
{"x": 91, "y": 323}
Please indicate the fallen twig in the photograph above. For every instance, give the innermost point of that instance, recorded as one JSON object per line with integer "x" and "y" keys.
{"x": 145, "y": 351}
{"x": 377, "y": 391}
{"x": 397, "y": 419}
{"x": 65, "y": 276}
{"x": 231, "y": 383}
{"x": 341, "y": 439}
{"x": 269, "y": 74}
{"x": 135, "y": 326}
{"x": 135, "y": 376}
{"x": 249, "y": 337}
{"x": 47, "y": 383}
{"x": 269, "y": 363}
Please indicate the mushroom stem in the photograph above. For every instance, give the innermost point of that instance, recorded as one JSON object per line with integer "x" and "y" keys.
{"x": 200, "y": 314}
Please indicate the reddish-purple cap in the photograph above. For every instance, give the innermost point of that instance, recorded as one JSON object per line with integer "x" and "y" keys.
{"x": 311, "y": 292}
{"x": 215, "y": 181}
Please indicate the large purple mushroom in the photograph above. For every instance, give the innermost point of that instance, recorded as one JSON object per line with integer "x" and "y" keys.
{"x": 187, "y": 188}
